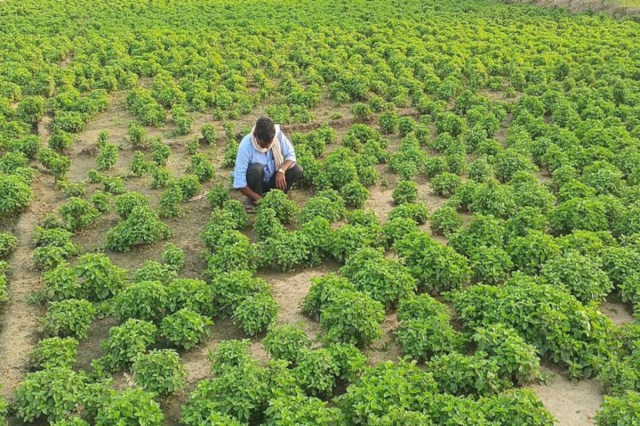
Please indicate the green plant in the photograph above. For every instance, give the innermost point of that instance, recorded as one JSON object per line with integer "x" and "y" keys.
{"x": 300, "y": 409}
{"x": 15, "y": 195}
{"x": 185, "y": 328}
{"x": 126, "y": 202}
{"x": 142, "y": 226}
{"x": 99, "y": 278}
{"x": 435, "y": 267}
{"x": 619, "y": 410}
{"x": 107, "y": 156}
{"x": 209, "y": 134}
{"x": 201, "y": 167}
{"x": 354, "y": 194}
{"x": 234, "y": 252}
{"x": 78, "y": 214}
{"x": 530, "y": 252}
{"x": 351, "y": 317}
{"x": 405, "y": 192}
{"x": 580, "y": 274}
{"x": 417, "y": 212}
{"x": 54, "y": 352}
{"x": 490, "y": 265}
{"x": 267, "y": 225}
{"x": 70, "y": 317}
{"x": 459, "y": 374}
{"x": 144, "y": 300}
{"x": 446, "y": 221}
{"x": 101, "y": 201}
{"x": 218, "y": 195}
{"x": 388, "y": 122}
{"x": 256, "y": 313}
{"x": 385, "y": 280}
{"x": 8, "y": 244}
{"x": 159, "y": 371}
{"x": 125, "y": 343}
{"x": 316, "y": 371}
{"x": 445, "y": 184}
{"x": 286, "y": 341}
{"x": 131, "y": 406}
{"x": 160, "y": 152}
{"x": 423, "y": 338}
{"x": 285, "y": 208}
{"x": 173, "y": 257}
{"x": 137, "y": 134}
{"x": 517, "y": 360}
{"x": 61, "y": 283}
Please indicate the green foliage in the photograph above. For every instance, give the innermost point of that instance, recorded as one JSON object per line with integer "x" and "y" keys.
{"x": 31, "y": 109}
{"x": 405, "y": 192}
{"x": 435, "y": 267}
{"x": 107, "y": 156}
{"x": 530, "y": 252}
{"x": 15, "y": 195}
{"x": 579, "y": 274}
{"x": 209, "y": 134}
{"x": 61, "y": 283}
{"x": 54, "y": 352}
{"x": 78, "y": 214}
{"x": 125, "y": 343}
{"x": 142, "y": 226}
{"x": 419, "y": 213}
{"x": 354, "y": 194}
{"x": 49, "y": 394}
{"x": 201, "y": 167}
{"x": 445, "y": 184}
{"x": 385, "y": 280}
{"x": 316, "y": 372}
{"x": 159, "y": 371}
{"x": 8, "y": 244}
{"x": 234, "y": 252}
{"x": 185, "y": 328}
{"x": 267, "y": 225}
{"x": 230, "y": 288}
{"x": 144, "y": 300}
{"x": 99, "y": 278}
{"x": 256, "y": 313}
{"x": 388, "y": 122}
{"x": 422, "y": 338}
{"x": 160, "y": 152}
{"x": 619, "y": 410}
{"x": 137, "y": 134}
{"x": 459, "y": 374}
{"x": 300, "y": 409}
{"x": 128, "y": 407}
{"x": 173, "y": 257}
{"x": 517, "y": 360}
{"x": 126, "y": 202}
{"x": 490, "y": 265}
{"x": 446, "y": 221}
{"x": 286, "y": 341}
{"x": 397, "y": 228}
{"x": 285, "y": 208}
{"x": 70, "y": 317}
{"x": 218, "y": 195}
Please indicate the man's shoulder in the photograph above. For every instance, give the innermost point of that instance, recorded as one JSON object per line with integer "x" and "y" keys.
{"x": 245, "y": 143}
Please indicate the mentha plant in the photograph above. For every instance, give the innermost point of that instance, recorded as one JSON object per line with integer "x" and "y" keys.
{"x": 159, "y": 371}
{"x": 185, "y": 328}
{"x": 406, "y": 191}
{"x": 8, "y": 244}
{"x": 128, "y": 201}
{"x": 256, "y": 313}
{"x": 54, "y": 352}
{"x": 316, "y": 371}
{"x": 71, "y": 317}
{"x": 78, "y": 214}
{"x": 125, "y": 343}
{"x": 145, "y": 300}
{"x": 285, "y": 208}
{"x": 423, "y": 338}
{"x": 99, "y": 278}
{"x": 131, "y": 406}
{"x": 142, "y": 226}
{"x": 285, "y": 341}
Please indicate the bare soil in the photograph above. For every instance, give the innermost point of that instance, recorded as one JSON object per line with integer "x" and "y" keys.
{"x": 579, "y": 6}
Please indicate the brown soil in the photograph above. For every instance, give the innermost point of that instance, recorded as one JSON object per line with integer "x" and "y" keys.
{"x": 572, "y": 404}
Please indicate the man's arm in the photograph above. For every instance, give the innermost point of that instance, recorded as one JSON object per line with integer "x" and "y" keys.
{"x": 240, "y": 173}
{"x": 250, "y": 193}
{"x": 289, "y": 154}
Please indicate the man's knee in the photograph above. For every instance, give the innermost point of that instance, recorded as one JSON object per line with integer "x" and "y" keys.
{"x": 295, "y": 172}
{"x": 256, "y": 169}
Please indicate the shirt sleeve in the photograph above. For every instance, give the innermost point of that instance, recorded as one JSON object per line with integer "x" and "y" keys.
{"x": 242, "y": 165}
{"x": 288, "y": 152}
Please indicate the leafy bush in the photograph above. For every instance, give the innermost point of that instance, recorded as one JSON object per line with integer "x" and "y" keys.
{"x": 256, "y": 313}
{"x": 201, "y": 167}
{"x": 137, "y": 134}
{"x": 15, "y": 195}
{"x": 385, "y": 280}
{"x": 422, "y": 338}
{"x": 446, "y": 221}
{"x": 173, "y": 257}
{"x": 445, "y": 184}
{"x": 131, "y": 406}
{"x": 286, "y": 341}
{"x": 419, "y": 213}
{"x": 267, "y": 225}
{"x": 235, "y": 252}
{"x": 159, "y": 371}
{"x": 354, "y": 194}
{"x": 142, "y": 226}
{"x": 351, "y": 317}
{"x": 530, "y": 252}
{"x": 459, "y": 374}
{"x": 153, "y": 271}
{"x": 517, "y": 360}
{"x": 126, "y": 202}
{"x": 490, "y": 265}
{"x": 101, "y": 201}
{"x": 320, "y": 293}
{"x": 54, "y": 352}
{"x": 49, "y": 394}
{"x": 300, "y": 409}
{"x": 99, "y": 278}
{"x": 185, "y": 328}
{"x": 61, "y": 283}
{"x": 218, "y": 195}
{"x": 619, "y": 410}
{"x": 435, "y": 267}
{"x": 579, "y": 274}
{"x": 316, "y": 372}
{"x": 107, "y": 156}
{"x": 145, "y": 300}
{"x": 209, "y": 134}
{"x": 405, "y": 192}
{"x": 397, "y": 228}
{"x": 70, "y": 317}
{"x": 279, "y": 202}
{"x": 8, "y": 244}
{"x": 78, "y": 214}
{"x": 125, "y": 343}
{"x": 349, "y": 238}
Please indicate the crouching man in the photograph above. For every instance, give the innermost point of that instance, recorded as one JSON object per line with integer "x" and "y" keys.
{"x": 266, "y": 160}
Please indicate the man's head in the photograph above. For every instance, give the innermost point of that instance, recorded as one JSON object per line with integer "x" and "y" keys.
{"x": 265, "y": 131}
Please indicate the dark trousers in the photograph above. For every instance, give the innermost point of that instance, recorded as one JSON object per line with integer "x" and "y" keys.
{"x": 255, "y": 178}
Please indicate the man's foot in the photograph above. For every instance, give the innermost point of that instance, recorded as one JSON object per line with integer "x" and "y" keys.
{"x": 249, "y": 205}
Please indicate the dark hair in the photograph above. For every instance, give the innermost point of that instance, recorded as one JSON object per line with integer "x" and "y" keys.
{"x": 265, "y": 129}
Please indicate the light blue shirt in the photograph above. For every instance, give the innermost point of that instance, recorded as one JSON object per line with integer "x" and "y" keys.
{"x": 247, "y": 155}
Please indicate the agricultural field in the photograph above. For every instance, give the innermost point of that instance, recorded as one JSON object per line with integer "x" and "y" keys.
{"x": 463, "y": 249}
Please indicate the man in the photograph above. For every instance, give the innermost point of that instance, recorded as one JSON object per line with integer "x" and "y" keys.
{"x": 266, "y": 160}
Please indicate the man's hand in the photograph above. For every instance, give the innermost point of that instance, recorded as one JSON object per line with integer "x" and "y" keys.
{"x": 281, "y": 181}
